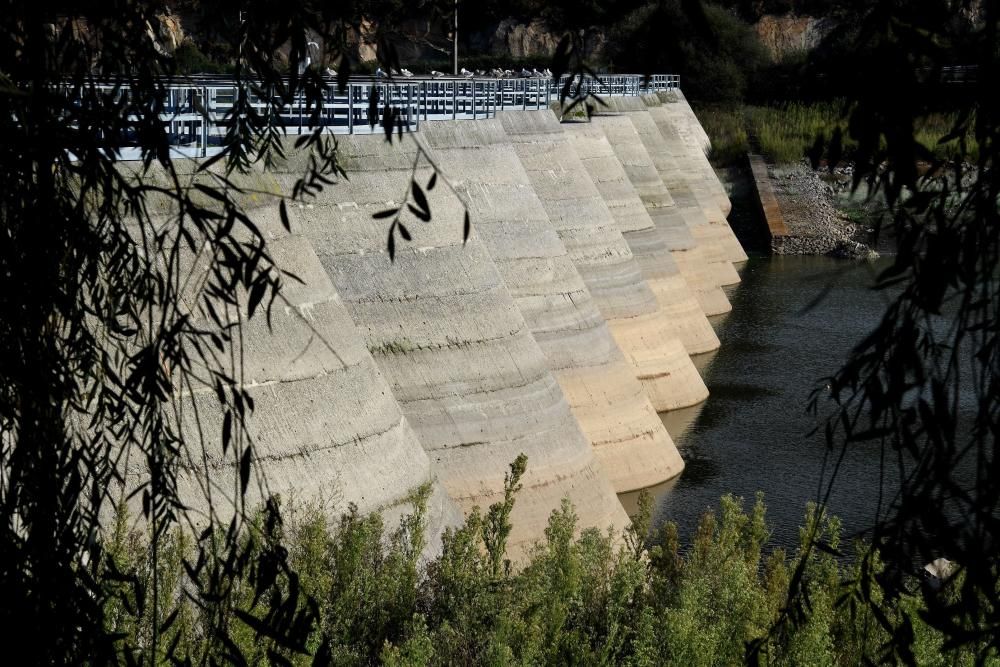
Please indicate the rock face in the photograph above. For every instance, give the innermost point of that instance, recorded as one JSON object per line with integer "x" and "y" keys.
{"x": 168, "y": 31}
{"x": 523, "y": 40}
{"x": 326, "y": 427}
{"x": 692, "y": 275}
{"x": 657, "y": 350}
{"x": 628, "y": 437}
{"x": 516, "y": 39}
{"x": 451, "y": 341}
{"x": 784, "y": 36}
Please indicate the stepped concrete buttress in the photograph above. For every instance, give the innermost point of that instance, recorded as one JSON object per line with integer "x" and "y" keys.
{"x": 448, "y": 336}
{"x": 654, "y": 335}
{"x": 710, "y": 248}
{"x": 628, "y": 436}
{"x": 690, "y": 186}
{"x": 695, "y": 172}
{"x": 696, "y": 144}
{"x": 692, "y": 276}
{"x": 326, "y": 428}
{"x": 692, "y": 134}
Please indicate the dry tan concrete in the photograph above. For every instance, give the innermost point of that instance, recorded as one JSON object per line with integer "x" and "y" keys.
{"x": 446, "y": 332}
{"x": 693, "y": 271}
{"x": 682, "y": 130}
{"x": 696, "y": 171}
{"x": 652, "y": 340}
{"x": 711, "y": 247}
{"x": 627, "y": 434}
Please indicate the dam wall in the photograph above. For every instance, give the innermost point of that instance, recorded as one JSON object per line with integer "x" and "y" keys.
{"x": 450, "y": 338}
{"x": 680, "y": 173}
{"x": 558, "y": 329}
{"x": 628, "y": 437}
{"x": 326, "y": 428}
{"x": 707, "y": 249}
{"x": 693, "y": 273}
{"x": 677, "y": 313}
{"x": 692, "y": 136}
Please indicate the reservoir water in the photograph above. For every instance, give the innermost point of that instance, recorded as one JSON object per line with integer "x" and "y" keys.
{"x": 794, "y": 321}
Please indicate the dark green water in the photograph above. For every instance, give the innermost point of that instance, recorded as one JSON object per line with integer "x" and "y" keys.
{"x": 753, "y": 433}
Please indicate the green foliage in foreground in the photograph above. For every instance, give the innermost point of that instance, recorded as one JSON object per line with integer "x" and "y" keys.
{"x": 582, "y": 598}
{"x": 785, "y": 133}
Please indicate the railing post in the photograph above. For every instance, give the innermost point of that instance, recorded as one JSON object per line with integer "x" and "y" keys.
{"x": 350, "y": 108}
{"x": 206, "y": 105}
{"x": 409, "y": 107}
{"x": 473, "y": 84}
{"x": 454, "y": 100}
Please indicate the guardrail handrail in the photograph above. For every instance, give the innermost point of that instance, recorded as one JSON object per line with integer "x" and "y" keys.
{"x": 195, "y": 112}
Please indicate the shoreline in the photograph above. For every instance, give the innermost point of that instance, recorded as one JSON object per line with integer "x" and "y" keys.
{"x": 816, "y": 208}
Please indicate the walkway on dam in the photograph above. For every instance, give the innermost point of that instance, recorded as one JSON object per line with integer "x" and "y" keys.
{"x": 197, "y": 110}
{"x": 559, "y": 329}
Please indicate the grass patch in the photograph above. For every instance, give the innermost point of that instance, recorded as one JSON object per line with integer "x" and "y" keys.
{"x": 727, "y": 130}
{"x": 784, "y": 133}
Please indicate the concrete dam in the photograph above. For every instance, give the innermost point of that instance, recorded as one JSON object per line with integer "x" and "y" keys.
{"x": 559, "y": 329}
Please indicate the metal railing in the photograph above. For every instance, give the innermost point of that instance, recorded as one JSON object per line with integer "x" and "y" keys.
{"x": 197, "y": 115}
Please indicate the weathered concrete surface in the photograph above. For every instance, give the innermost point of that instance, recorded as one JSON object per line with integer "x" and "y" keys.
{"x": 691, "y": 129}
{"x": 696, "y": 144}
{"x": 681, "y": 175}
{"x": 455, "y": 348}
{"x": 694, "y": 271}
{"x": 710, "y": 249}
{"x": 627, "y": 434}
{"x": 651, "y": 339}
{"x": 326, "y": 429}
{"x": 696, "y": 171}
{"x": 698, "y": 198}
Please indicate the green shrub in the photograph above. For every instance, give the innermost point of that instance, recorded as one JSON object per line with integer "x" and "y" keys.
{"x": 190, "y": 60}
{"x": 581, "y": 598}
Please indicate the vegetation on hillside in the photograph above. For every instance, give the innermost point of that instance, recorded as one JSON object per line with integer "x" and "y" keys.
{"x": 787, "y": 132}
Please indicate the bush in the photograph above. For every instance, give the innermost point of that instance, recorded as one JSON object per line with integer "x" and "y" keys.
{"x": 191, "y": 60}
{"x": 581, "y": 598}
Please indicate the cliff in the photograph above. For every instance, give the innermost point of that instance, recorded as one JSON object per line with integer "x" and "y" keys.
{"x": 789, "y": 35}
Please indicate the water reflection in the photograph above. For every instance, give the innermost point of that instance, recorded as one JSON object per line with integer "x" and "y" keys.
{"x": 679, "y": 422}
{"x": 794, "y": 321}
{"x": 630, "y": 500}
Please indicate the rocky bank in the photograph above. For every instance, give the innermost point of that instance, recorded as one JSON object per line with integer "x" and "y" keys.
{"x": 816, "y": 226}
